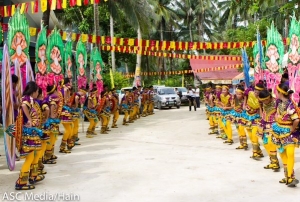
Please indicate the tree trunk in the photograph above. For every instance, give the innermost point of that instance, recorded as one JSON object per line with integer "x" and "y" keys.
{"x": 191, "y": 34}
{"x": 161, "y": 59}
{"x": 138, "y": 60}
{"x": 46, "y": 16}
{"x": 96, "y": 23}
{"x": 113, "y": 57}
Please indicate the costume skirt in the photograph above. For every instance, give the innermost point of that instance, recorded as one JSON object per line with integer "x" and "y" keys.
{"x": 282, "y": 136}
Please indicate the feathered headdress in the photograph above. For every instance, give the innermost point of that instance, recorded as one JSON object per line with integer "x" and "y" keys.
{"x": 40, "y": 51}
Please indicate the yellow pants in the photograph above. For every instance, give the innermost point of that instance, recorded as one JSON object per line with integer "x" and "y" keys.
{"x": 115, "y": 117}
{"x": 211, "y": 121}
{"x": 145, "y": 108}
{"x": 43, "y": 149}
{"x": 68, "y": 130}
{"x": 75, "y": 128}
{"x": 227, "y": 129}
{"x": 252, "y": 134}
{"x": 92, "y": 126}
{"x": 27, "y": 163}
{"x": 126, "y": 114}
{"x": 288, "y": 159}
{"x": 150, "y": 107}
{"x": 104, "y": 120}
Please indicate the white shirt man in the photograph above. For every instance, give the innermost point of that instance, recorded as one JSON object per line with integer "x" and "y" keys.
{"x": 197, "y": 92}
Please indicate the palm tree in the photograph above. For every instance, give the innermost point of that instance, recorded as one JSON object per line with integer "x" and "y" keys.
{"x": 165, "y": 15}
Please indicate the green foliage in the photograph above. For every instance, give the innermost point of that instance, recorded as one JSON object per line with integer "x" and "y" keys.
{"x": 119, "y": 80}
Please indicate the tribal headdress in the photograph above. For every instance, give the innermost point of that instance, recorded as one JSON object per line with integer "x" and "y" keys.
{"x": 98, "y": 68}
{"x": 68, "y": 59}
{"x": 55, "y": 55}
{"x": 18, "y": 38}
{"x": 81, "y": 61}
{"x": 274, "y": 50}
{"x": 40, "y": 52}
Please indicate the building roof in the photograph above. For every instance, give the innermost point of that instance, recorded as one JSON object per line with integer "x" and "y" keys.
{"x": 221, "y": 76}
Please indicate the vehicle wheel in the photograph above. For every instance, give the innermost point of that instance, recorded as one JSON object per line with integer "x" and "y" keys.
{"x": 178, "y": 106}
{"x": 159, "y": 105}
{"x": 170, "y": 107}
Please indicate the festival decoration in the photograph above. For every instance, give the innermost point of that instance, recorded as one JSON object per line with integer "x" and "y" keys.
{"x": 259, "y": 62}
{"x": 55, "y": 54}
{"x": 41, "y": 59}
{"x": 294, "y": 58}
{"x": 246, "y": 67}
{"x": 68, "y": 60}
{"x": 7, "y": 109}
{"x": 97, "y": 69}
{"x": 273, "y": 59}
{"x": 81, "y": 61}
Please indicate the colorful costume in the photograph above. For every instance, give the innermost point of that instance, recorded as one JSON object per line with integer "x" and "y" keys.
{"x": 125, "y": 108}
{"x": 67, "y": 121}
{"x": 145, "y": 102}
{"x": 251, "y": 119}
{"x": 285, "y": 139}
{"x": 237, "y": 113}
{"x": 268, "y": 112}
{"x": 226, "y": 105}
{"x": 114, "y": 100}
{"x": 104, "y": 113}
{"x": 151, "y": 102}
{"x": 51, "y": 126}
{"x": 28, "y": 140}
{"x": 91, "y": 113}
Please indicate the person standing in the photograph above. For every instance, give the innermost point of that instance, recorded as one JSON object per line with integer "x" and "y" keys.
{"x": 191, "y": 97}
{"x": 197, "y": 96}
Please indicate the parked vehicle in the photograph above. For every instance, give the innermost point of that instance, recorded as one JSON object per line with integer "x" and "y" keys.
{"x": 183, "y": 92}
{"x": 166, "y": 97}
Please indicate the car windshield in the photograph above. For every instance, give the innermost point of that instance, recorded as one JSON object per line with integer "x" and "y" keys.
{"x": 166, "y": 91}
{"x": 182, "y": 89}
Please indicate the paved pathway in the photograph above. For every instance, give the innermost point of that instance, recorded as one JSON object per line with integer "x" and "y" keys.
{"x": 167, "y": 157}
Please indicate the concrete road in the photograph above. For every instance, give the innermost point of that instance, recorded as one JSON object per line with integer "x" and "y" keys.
{"x": 166, "y": 157}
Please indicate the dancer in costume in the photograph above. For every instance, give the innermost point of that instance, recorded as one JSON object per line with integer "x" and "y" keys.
{"x": 210, "y": 97}
{"x": 217, "y": 113}
{"x": 90, "y": 112}
{"x": 52, "y": 124}
{"x": 145, "y": 102}
{"x": 44, "y": 111}
{"x": 66, "y": 118}
{"x": 77, "y": 101}
{"x": 206, "y": 101}
{"x": 267, "y": 113}
{"x": 125, "y": 107}
{"x": 28, "y": 138}
{"x": 226, "y": 106}
{"x": 285, "y": 133}
{"x": 104, "y": 112}
{"x": 251, "y": 118}
{"x": 151, "y": 101}
{"x": 114, "y": 99}
{"x": 136, "y": 113}
{"x": 131, "y": 106}
{"x": 238, "y": 102}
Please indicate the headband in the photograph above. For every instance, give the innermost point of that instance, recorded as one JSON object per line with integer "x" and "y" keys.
{"x": 258, "y": 88}
{"x": 52, "y": 90}
{"x": 263, "y": 99}
{"x": 208, "y": 88}
{"x": 218, "y": 86}
{"x": 239, "y": 90}
{"x": 281, "y": 91}
{"x": 225, "y": 87}
{"x": 84, "y": 91}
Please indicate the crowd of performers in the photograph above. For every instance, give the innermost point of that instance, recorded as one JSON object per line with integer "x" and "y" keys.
{"x": 261, "y": 117}
{"x": 40, "y": 118}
